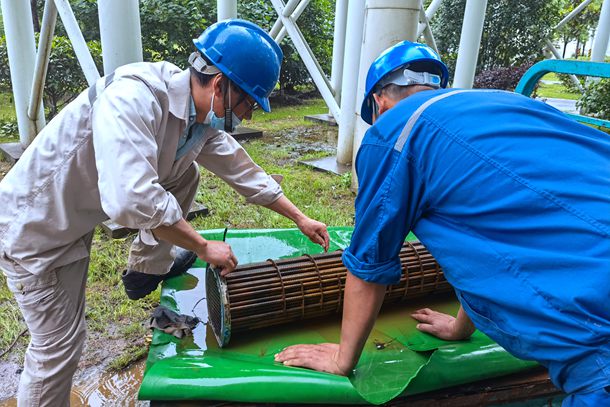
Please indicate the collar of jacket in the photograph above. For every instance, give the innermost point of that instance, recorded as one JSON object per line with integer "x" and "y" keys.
{"x": 178, "y": 93}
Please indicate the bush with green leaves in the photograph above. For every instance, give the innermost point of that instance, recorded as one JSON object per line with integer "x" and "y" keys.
{"x": 512, "y": 33}
{"x": 569, "y": 84}
{"x": 8, "y": 128}
{"x": 595, "y": 101}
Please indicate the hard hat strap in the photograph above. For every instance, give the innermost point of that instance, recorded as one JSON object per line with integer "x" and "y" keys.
{"x": 407, "y": 77}
{"x": 197, "y": 62}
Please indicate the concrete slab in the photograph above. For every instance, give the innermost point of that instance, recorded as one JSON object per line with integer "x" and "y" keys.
{"x": 565, "y": 105}
{"x": 116, "y": 231}
{"x": 328, "y": 164}
{"x": 11, "y": 151}
{"x": 322, "y": 118}
{"x": 246, "y": 133}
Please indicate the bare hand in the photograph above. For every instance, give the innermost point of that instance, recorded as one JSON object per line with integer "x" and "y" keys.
{"x": 322, "y": 357}
{"x": 219, "y": 254}
{"x": 441, "y": 325}
{"x": 315, "y": 231}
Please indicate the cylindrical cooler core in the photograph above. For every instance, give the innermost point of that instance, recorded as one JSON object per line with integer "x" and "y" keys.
{"x": 276, "y": 292}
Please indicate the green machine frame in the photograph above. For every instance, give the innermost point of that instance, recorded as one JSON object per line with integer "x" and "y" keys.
{"x": 532, "y": 76}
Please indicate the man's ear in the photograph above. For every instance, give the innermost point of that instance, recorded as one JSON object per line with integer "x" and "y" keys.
{"x": 384, "y": 102}
{"x": 217, "y": 84}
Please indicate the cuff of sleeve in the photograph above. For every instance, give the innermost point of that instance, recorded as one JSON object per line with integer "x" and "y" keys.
{"x": 380, "y": 273}
{"x": 268, "y": 195}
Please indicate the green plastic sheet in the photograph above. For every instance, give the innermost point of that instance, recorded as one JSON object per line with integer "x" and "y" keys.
{"x": 397, "y": 359}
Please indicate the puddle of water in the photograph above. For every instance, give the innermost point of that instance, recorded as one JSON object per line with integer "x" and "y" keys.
{"x": 112, "y": 389}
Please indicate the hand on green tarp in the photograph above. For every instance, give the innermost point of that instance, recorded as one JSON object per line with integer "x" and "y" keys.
{"x": 321, "y": 357}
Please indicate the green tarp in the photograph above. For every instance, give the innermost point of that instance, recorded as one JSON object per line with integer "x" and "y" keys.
{"x": 397, "y": 359}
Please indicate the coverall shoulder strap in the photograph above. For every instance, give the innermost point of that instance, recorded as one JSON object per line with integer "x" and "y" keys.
{"x": 406, "y": 131}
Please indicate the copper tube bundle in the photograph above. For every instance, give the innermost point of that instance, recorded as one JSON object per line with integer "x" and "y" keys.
{"x": 276, "y": 292}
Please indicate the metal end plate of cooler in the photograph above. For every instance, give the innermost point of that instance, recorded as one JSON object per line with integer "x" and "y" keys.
{"x": 219, "y": 315}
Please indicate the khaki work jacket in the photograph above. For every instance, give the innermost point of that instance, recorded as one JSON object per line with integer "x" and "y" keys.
{"x": 113, "y": 158}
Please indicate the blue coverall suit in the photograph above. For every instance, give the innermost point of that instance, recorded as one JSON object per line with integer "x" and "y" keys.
{"x": 512, "y": 198}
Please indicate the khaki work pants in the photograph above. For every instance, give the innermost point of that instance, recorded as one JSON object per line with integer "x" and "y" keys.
{"x": 53, "y": 307}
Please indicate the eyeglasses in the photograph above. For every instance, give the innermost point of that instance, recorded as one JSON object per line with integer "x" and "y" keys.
{"x": 251, "y": 106}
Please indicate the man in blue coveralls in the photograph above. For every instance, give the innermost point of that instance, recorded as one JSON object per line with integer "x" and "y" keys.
{"x": 512, "y": 198}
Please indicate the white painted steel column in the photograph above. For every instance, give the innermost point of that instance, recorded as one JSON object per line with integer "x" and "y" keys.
{"x": 226, "y": 9}
{"x": 120, "y": 33}
{"x": 600, "y": 42}
{"x": 78, "y": 41}
{"x": 470, "y": 41}
{"x": 430, "y": 11}
{"x": 45, "y": 40}
{"x": 21, "y": 48}
{"x": 295, "y": 16}
{"x": 310, "y": 61}
{"x": 353, "y": 44}
{"x": 386, "y": 23}
{"x": 336, "y": 72}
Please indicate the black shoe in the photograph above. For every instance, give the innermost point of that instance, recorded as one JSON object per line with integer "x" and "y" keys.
{"x": 139, "y": 285}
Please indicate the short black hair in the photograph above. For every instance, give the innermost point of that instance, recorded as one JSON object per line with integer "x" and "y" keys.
{"x": 202, "y": 79}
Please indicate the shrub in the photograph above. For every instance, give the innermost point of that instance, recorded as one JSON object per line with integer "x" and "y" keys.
{"x": 505, "y": 78}
{"x": 567, "y": 83}
{"x": 8, "y": 128}
{"x": 595, "y": 101}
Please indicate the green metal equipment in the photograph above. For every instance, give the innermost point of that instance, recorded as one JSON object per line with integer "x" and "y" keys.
{"x": 585, "y": 68}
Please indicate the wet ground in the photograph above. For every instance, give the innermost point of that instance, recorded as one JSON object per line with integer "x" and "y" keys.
{"x": 109, "y": 389}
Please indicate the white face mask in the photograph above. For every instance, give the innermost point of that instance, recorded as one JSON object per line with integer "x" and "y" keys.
{"x": 218, "y": 123}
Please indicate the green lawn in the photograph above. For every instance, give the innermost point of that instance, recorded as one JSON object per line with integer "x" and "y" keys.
{"x": 288, "y": 138}
{"x": 555, "y": 90}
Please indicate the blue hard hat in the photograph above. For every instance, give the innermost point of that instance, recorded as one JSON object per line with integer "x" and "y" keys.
{"x": 245, "y": 54}
{"x": 417, "y": 57}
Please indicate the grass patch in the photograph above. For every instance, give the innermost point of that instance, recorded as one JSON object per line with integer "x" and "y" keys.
{"x": 129, "y": 355}
{"x": 288, "y": 138}
{"x": 555, "y": 90}
{"x": 286, "y": 117}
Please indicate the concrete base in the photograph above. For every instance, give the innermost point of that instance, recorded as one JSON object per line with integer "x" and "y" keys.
{"x": 322, "y": 118}
{"x": 116, "y": 231}
{"x": 246, "y": 133}
{"x": 328, "y": 164}
{"x": 11, "y": 151}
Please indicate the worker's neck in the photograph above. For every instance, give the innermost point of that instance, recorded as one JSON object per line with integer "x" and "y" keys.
{"x": 408, "y": 91}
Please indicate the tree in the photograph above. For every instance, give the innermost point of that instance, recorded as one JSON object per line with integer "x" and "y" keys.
{"x": 316, "y": 24}
{"x": 580, "y": 27}
{"x": 512, "y": 34}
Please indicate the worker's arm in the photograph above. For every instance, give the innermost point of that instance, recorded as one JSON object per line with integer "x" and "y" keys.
{"x": 444, "y": 326}
{"x": 125, "y": 122}
{"x": 314, "y": 230}
{"x": 182, "y": 234}
{"x": 386, "y": 208}
{"x": 226, "y": 158}
{"x": 360, "y": 309}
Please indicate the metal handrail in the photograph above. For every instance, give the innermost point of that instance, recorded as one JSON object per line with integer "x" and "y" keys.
{"x": 586, "y": 68}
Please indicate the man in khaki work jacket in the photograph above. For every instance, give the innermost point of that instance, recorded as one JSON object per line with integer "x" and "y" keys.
{"x": 127, "y": 149}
